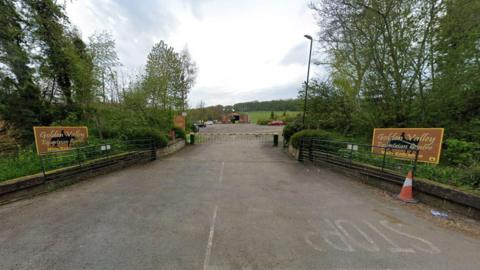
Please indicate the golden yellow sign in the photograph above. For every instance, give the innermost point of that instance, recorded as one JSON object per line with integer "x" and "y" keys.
{"x": 51, "y": 139}
{"x": 403, "y": 143}
{"x": 179, "y": 121}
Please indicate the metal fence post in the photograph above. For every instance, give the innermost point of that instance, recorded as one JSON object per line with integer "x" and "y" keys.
{"x": 326, "y": 149}
{"x": 310, "y": 150}
{"x": 384, "y": 156}
{"x": 415, "y": 162}
{"x": 300, "y": 151}
{"x": 152, "y": 148}
{"x": 107, "y": 150}
{"x": 192, "y": 138}
{"x": 351, "y": 154}
{"x": 78, "y": 157}
{"x": 43, "y": 165}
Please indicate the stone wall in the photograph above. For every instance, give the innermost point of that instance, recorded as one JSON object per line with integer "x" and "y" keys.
{"x": 172, "y": 147}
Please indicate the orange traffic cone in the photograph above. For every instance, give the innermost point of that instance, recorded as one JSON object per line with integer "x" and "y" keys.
{"x": 406, "y": 194}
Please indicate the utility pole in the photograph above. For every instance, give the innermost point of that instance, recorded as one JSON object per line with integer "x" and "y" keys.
{"x": 308, "y": 76}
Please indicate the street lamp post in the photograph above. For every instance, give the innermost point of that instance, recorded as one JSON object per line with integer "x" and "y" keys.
{"x": 308, "y": 75}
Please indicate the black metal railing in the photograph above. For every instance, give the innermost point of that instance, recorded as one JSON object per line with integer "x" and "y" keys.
{"x": 105, "y": 152}
{"x": 352, "y": 154}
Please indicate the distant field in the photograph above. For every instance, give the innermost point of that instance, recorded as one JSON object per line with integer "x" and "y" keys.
{"x": 254, "y": 116}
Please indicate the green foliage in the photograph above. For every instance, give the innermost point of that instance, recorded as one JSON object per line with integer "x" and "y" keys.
{"x": 455, "y": 98}
{"x": 460, "y": 153}
{"x": 292, "y": 128}
{"x": 312, "y": 133}
{"x": 48, "y": 20}
{"x": 203, "y": 113}
{"x": 160, "y": 139}
{"x": 50, "y": 76}
{"x": 105, "y": 59}
{"x": 179, "y": 133}
{"x": 27, "y": 163}
{"x": 461, "y": 177}
{"x": 165, "y": 81}
{"x": 400, "y": 64}
{"x": 20, "y": 99}
{"x": 263, "y": 122}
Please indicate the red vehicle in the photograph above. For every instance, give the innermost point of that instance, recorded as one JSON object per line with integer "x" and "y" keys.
{"x": 276, "y": 123}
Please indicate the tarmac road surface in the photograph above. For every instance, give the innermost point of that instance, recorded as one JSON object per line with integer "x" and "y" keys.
{"x": 225, "y": 206}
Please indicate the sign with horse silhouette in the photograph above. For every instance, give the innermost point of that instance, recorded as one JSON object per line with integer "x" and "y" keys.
{"x": 404, "y": 142}
{"x": 52, "y": 139}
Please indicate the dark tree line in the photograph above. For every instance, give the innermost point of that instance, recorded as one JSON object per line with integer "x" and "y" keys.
{"x": 272, "y": 105}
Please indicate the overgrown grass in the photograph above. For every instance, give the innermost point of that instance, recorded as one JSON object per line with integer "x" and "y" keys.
{"x": 266, "y": 115}
{"x": 26, "y": 163}
{"x": 467, "y": 178}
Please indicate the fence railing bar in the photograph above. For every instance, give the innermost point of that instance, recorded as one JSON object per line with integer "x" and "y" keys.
{"x": 314, "y": 149}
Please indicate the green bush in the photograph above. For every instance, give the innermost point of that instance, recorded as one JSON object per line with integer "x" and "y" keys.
{"x": 460, "y": 153}
{"x": 263, "y": 122}
{"x": 160, "y": 139}
{"x": 289, "y": 119}
{"x": 107, "y": 132}
{"x": 292, "y": 128}
{"x": 455, "y": 176}
{"x": 179, "y": 133}
{"x": 311, "y": 133}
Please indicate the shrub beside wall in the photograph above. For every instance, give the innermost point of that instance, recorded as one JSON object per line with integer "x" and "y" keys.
{"x": 291, "y": 128}
{"x": 160, "y": 138}
{"x": 312, "y": 133}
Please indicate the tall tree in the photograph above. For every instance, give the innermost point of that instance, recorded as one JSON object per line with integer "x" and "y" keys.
{"x": 163, "y": 77}
{"x": 380, "y": 53}
{"x": 20, "y": 102}
{"x": 455, "y": 100}
{"x": 188, "y": 75}
{"x": 105, "y": 58}
{"x": 49, "y": 22}
{"x": 82, "y": 65}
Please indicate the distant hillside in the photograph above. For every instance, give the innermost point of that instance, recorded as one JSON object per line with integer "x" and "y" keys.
{"x": 272, "y": 105}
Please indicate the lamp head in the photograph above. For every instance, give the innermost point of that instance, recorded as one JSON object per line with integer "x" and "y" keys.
{"x": 308, "y": 37}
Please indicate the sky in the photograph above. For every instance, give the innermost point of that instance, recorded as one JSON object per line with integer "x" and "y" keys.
{"x": 244, "y": 50}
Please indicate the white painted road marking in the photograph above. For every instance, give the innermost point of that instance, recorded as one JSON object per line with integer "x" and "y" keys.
{"x": 210, "y": 239}
{"x": 371, "y": 246}
{"x": 208, "y": 252}
{"x": 338, "y": 237}
{"x": 395, "y": 248}
{"x": 431, "y": 248}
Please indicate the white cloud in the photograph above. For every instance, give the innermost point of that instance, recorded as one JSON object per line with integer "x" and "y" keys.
{"x": 244, "y": 49}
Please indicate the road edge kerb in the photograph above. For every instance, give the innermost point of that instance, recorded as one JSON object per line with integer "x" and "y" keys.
{"x": 427, "y": 191}
{"x": 33, "y": 185}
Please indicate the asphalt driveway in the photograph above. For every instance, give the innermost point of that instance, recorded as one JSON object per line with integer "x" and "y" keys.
{"x": 225, "y": 206}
